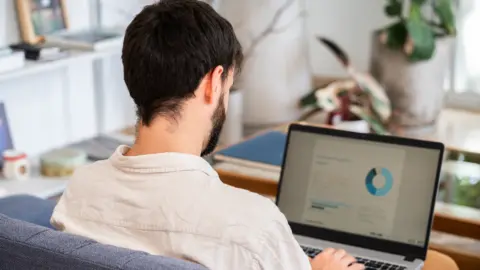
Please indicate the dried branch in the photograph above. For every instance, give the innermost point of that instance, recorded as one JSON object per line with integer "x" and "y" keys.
{"x": 282, "y": 29}
{"x": 270, "y": 29}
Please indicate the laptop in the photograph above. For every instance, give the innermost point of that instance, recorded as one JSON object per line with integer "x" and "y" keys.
{"x": 369, "y": 194}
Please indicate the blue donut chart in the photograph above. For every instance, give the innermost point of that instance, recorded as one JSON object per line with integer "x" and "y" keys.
{"x": 379, "y": 191}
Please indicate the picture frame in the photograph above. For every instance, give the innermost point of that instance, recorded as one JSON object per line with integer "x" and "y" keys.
{"x": 6, "y": 142}
{"x": 38, "y": 18}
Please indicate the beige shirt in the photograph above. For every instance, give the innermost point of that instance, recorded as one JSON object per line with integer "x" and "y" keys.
{"x": 175, "y": 205}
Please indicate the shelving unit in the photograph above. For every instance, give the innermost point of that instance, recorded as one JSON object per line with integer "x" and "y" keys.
{"x": 42, "y": 186}
{"x": 34, "y": 67}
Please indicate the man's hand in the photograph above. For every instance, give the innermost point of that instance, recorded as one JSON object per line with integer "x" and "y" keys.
{"x": 331, "y": 259}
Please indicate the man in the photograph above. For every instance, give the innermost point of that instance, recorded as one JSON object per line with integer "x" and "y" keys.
{"x": 160, "y": 195}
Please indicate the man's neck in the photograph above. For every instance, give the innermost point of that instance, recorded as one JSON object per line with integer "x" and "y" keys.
{"x": 164, "y": 136}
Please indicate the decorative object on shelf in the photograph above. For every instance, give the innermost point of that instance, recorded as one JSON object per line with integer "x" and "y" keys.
{"x": 276, "y": 72}
{"x": 62, "y": 162}
{"x": 39, "y": 52}
{"x": 15, "y": 165}
{"x": 46, "y": 21}
{"x": 358, "y": 104}
{"x": 6, "y": 141}
{"x": 410, "y": 58}
{"x": 38, "y": 18}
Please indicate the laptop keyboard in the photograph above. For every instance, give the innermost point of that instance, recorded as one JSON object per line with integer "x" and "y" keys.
{"x": 369, "y": 264}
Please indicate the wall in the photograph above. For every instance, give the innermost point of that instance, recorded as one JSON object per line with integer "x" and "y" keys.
{"x": 350, "y": 24}
{"x": 51, "y": 109}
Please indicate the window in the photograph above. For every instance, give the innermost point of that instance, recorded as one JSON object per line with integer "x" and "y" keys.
{"x": 463, "y": 82}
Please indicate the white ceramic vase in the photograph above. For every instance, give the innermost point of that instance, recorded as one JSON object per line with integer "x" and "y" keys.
{"x": 232, "y": 131}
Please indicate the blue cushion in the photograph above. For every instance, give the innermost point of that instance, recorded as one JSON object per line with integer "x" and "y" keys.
{"x": 28, "y": 208}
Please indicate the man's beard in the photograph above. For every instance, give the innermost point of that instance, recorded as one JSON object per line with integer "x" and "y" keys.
{"x": 218, "y": 119}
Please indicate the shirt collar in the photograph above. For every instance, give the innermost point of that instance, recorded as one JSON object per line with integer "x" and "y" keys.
{"x": 160, "y": 163}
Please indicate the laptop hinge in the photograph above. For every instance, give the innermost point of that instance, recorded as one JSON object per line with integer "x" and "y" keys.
{"x": 409, "y": 258}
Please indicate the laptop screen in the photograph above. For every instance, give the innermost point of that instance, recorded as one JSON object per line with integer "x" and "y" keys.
{"x": 361, "y": 187}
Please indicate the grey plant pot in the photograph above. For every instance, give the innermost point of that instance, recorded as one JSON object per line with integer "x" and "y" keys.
{"x": 416, "y": 90}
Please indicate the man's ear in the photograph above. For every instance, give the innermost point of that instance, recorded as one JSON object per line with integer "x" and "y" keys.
{"x": 214, "y": 86}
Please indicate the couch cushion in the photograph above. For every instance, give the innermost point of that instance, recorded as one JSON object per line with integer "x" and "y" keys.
{"x": 28, "y": 208}
{"x": 28, "y": 246}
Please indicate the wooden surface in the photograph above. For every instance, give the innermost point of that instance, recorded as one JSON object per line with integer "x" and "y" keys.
{"x": 457, "y": 220}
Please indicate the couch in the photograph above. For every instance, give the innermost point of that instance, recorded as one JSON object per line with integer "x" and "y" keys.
{"x": 24, "y": 245}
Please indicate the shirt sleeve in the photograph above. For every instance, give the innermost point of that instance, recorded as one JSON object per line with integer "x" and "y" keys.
{"x": 279, "y": 250}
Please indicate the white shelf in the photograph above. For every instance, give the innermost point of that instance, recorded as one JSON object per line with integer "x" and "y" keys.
{"x": 35, "y": 67}
{"x": 42, "y": 186}
{"x": 36, "y": 185}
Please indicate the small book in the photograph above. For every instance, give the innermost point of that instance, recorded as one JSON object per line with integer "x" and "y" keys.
{"x": 97, "y": 39}
{"x": 264, "y": 151}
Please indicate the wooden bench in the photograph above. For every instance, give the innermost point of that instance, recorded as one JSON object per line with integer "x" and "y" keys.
{"x": 457, "y": 234}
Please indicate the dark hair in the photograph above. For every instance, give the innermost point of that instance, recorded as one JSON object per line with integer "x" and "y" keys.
{"x": 168, "y": 49}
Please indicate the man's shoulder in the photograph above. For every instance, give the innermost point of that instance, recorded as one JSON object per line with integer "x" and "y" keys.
{"x": 90, "y": 174}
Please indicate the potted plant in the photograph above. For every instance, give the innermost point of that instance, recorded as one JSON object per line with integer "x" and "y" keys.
{"x": 358, "y": 104}
{"x": 410, "y": 57}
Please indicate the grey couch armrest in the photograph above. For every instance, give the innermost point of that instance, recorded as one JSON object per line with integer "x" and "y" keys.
{"x": 27, "y": 246}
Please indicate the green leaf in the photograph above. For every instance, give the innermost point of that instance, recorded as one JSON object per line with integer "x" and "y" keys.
{"x": 394, "y": 8}
{"x": 308, "y": 100}
{"x": 422, "y": 39}
{"x": 375, "y": 124}
{"x": 444, "y": 11}
{"x": 416, "y": 10}
{"x": 396, "y": 35}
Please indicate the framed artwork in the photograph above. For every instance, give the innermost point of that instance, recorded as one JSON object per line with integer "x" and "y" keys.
{"x": 38, "y": 18}
{"x": 6, "y": 142}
